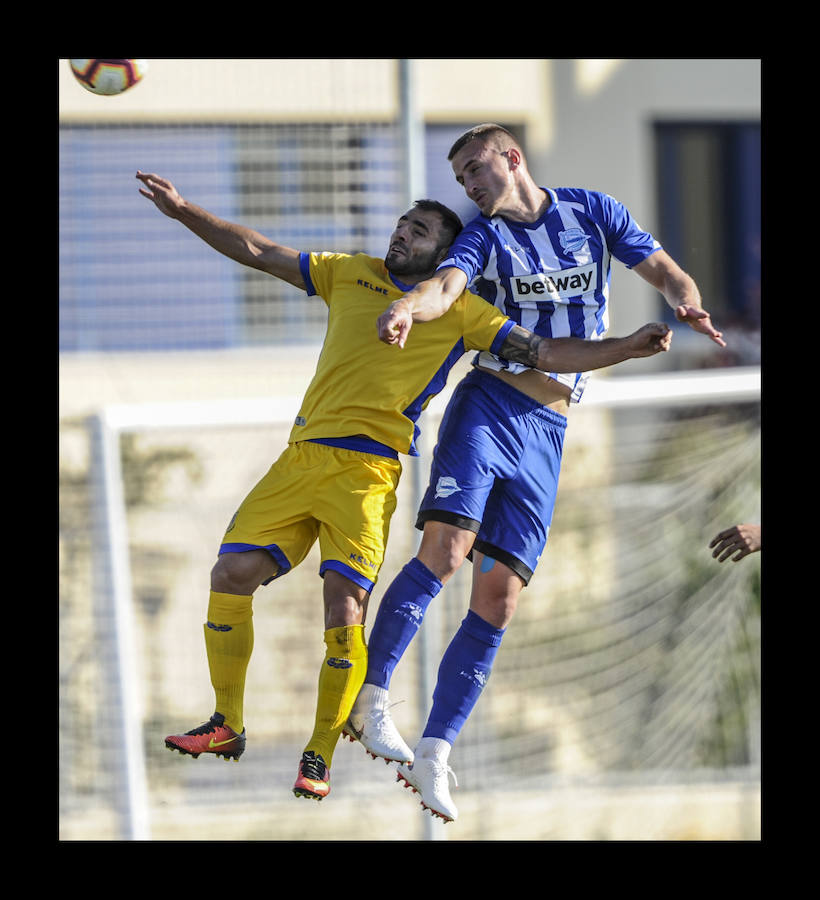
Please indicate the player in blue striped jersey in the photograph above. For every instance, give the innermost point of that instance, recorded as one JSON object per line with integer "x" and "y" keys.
{"x": 543, "y": 256}
{"x": 553, "y": 275}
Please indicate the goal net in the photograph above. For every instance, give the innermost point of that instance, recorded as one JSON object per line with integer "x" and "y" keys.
{"x": 633, "y": 660}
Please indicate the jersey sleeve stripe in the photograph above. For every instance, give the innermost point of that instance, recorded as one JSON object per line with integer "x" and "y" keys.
{"x": 304, "y": 266}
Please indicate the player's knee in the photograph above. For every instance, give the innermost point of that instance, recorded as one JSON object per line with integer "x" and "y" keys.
{"x": 228, "y": 575}
{"x": 345, "y": 602}
{"x": 451, "y": 559}
{"x": 444, "y": 548}
{"x": 241, "y": 573}
{"x": 444, "y": 562}
{"x": 496, "y": 589}
{"x": 497, "y": 609}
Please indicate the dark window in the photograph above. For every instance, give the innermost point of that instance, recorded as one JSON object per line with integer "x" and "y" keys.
{"x": 709, "y": 203}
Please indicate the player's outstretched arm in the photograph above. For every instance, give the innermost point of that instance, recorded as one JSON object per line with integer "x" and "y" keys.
{"x": 244, "y": 245}
{"x": 680, "y": 291}
{"x": 428, "y": 300}
{"x": 579, "y": 355}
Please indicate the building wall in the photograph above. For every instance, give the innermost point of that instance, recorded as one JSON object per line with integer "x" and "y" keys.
{"x": 586, "y": 122}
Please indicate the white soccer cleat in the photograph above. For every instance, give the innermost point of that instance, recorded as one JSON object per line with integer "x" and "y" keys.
{"x": 375, "y": 731}
{"x": 429, "y": 778}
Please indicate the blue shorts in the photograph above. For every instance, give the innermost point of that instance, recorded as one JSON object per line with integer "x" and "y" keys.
{"x": 495, "y": 470}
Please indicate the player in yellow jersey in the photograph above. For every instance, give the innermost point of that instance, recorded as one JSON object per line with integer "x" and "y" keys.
{"x": 336, "y": 480}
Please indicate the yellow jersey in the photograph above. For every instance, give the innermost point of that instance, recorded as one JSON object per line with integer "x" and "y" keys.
{"x": 367, "y": 395}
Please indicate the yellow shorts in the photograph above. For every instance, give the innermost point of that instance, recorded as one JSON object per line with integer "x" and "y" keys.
{"x": 342, "y": 497}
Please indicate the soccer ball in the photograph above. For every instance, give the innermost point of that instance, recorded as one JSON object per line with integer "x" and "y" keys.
{"x": 108, "y": 76}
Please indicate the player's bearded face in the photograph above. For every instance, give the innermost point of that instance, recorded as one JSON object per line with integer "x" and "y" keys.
{"x": 409, "y": 262}
{"x": 414, "y": 249}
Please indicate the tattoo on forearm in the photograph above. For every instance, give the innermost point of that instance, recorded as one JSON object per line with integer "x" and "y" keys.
{"x": 521, "y": 346}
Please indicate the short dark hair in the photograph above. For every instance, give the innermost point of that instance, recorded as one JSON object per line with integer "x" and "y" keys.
{"x": 487, "y": 132}
{"x": 452, "y": 223}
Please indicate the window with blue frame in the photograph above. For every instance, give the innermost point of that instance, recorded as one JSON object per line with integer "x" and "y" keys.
{"x": 131, "y": 279}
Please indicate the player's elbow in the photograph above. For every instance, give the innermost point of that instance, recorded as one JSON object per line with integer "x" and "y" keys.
{"x": 443, "y": 288}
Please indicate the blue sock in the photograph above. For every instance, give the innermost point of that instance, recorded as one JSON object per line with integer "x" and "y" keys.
{"x": 400, "y": 615}
{"x": 464, "y": 670}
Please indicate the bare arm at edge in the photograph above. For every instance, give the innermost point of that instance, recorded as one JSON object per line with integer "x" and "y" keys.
{"x": 680, "y": 292}
{"x": 241, "y": 244}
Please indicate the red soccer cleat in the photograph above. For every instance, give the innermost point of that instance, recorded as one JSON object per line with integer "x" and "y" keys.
{"x": 314, "y": 777}
{"x": 212, "y": 737}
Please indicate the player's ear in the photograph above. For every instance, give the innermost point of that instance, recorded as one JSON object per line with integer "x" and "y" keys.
{"x": 442, "y": 254}
{"x": 513, "y": 157}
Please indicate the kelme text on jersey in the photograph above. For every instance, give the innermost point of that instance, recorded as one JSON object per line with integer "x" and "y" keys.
{"x": 372, "y": 287}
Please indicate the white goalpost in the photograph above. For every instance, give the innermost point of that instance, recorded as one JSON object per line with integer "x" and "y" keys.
{"x": 120, "y": 642}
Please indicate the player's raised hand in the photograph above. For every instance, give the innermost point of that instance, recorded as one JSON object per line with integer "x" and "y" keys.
{"x": 699, "y": 320}
{"x": 164, "y": 195}
{"x": 394, "y": 323}
{"x": 653, "y": 338}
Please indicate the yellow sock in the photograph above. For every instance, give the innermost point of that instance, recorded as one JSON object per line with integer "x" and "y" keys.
{"x": 341, "y": 678}
{"x": 229, "y": 644}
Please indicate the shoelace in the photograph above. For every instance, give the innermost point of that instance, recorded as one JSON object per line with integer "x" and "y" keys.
{"x": 313, "y": 767}
{"x": 211, "y": 725}
{"x": 379, "y": 715}
{"x": 442, "y": 769}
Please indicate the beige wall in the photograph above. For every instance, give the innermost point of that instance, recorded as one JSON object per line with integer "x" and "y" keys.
{"x": 566, "y": 104}
{"x": 311, "y": 89}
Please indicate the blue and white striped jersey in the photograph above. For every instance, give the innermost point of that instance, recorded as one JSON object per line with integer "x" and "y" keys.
{"x": 552, "y": 276}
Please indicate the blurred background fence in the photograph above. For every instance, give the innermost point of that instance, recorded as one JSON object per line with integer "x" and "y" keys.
{"x": 627, "y": 692}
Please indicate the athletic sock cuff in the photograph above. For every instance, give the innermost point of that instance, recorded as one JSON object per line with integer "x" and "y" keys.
{"x": 481, "y": 630}
{"x": 229, "y": 609}
{"x": 346, "y": 639}
{"x": 423, "y": 577}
